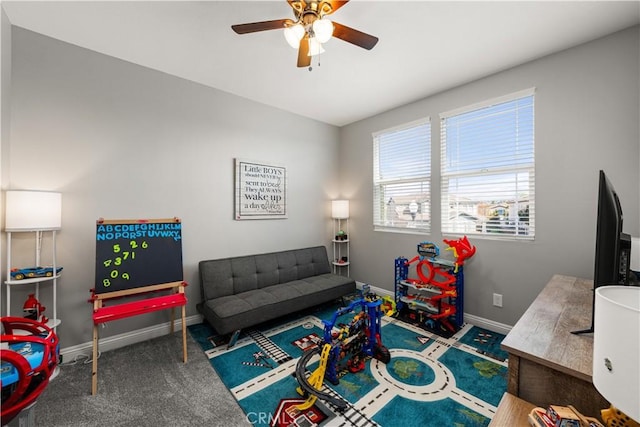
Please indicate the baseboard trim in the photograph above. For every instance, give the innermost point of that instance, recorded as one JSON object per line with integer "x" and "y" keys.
{"x": 121, "y": 340}
{"x": 491, "y": 325}
{"x": 481, "y": 322}
{"x": 375, "y": 289}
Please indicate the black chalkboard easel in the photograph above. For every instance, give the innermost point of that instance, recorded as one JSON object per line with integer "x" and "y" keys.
{"x": 135, "y": 257}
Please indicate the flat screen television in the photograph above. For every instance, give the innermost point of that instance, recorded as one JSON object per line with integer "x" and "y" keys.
{"x": 613, "y": 247}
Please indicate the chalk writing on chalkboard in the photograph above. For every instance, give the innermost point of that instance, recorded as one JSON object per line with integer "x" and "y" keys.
{"x": 136, "y": 253}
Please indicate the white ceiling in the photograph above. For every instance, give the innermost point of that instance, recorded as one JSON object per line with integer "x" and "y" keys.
{"x": 425, "y": 47}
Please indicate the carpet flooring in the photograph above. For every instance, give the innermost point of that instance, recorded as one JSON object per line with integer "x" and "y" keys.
{"x": 145, "y": 384}
{"x": 429, "y": 381}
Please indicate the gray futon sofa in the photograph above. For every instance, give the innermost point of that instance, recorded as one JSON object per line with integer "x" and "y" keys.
{"x": 243, "y": 291}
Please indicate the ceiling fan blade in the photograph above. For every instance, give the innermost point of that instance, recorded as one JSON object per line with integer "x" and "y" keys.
{"x": 335, "y": 5}
{"x": 261, "y": 26}
{"x": 304, "y": 60}
{"x": 354, "y": 36}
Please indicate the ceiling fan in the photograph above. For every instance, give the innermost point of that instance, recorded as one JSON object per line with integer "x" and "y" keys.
{"x": 311, "y": 28}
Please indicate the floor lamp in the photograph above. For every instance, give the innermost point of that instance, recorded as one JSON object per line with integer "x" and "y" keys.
{"x": 33, "y": 211}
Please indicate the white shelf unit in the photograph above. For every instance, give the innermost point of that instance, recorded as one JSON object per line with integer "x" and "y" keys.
{"x": 53, "y": 321}
{"x": 341, "y": 246}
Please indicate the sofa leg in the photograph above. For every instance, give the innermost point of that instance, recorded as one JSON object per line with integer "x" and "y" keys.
{"x": 233, "y": 339}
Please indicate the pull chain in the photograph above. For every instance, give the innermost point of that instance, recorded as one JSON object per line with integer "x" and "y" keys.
{"x": 311, "y": 68}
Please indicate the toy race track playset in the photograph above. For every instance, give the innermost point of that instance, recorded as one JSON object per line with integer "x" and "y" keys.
{"x": 344, "y": 348}
{"x": 434, "y": 300}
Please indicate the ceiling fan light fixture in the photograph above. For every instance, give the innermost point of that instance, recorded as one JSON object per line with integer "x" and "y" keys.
{"x": 294, "y": 34}
{"x": 323, "y": 29}
{"x": 310, "y": 29}
{"x": 315, "y": 47}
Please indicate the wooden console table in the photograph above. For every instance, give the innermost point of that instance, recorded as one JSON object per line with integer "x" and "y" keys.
{"x": 512, "y": 412}
{"x": 547, "y": 363}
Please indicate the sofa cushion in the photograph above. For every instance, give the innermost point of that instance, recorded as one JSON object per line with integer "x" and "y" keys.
{"x": 267, "y": 270}
{"x": 235, "y": 275}
{"x": 226, "y": 314}
{"x": 216, "y": 278}
{"x": 245, "y": 277}
{"x": 231, "y": 305}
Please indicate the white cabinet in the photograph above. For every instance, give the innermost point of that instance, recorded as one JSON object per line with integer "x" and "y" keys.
{"x": 341, "y": 236}
{"x": 47, "y": 277}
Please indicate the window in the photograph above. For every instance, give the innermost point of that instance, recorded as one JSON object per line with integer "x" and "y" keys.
{"x": 488, "y": 168}
{"x": 402, "y": 178}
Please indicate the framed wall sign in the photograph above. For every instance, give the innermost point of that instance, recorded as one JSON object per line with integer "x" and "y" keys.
{"x": 260, "y": 190}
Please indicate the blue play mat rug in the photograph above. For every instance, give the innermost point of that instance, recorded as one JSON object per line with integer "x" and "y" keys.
{"x": 429, "y": 381}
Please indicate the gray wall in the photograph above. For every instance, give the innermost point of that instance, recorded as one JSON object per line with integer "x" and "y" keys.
{"x": 587, "y": 115}
{"x": 122, "y": 141}
{"x": 5, "y": 116}
{"x": 5, "y": 95}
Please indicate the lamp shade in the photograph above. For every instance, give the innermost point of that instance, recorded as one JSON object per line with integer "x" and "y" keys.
{"x": 293, "y": 35}
{"x": 315, "y": 47}
{"x": 340, "y": 209}
{"x": 616, "y": 347}
{"x": 323, "y": 29}
{"x": 33, "y": 210}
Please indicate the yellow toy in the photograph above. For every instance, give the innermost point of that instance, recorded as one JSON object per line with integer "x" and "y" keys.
{"x": 612, "y": 417}
{"x": 388, "y": 306}
{"x": 315, "y": 379}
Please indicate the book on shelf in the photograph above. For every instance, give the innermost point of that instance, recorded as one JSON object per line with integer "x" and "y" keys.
{"x": 538, "y": 418}
{"x": 560, "y": 416}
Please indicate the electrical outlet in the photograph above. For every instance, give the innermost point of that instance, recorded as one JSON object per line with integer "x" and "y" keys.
{"x": 497, "y": 300}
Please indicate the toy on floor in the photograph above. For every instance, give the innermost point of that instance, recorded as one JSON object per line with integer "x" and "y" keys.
{"x": 427, "y": 253}
{"x": 388, "y": 306}
{"x": 33, "y": 309}
{"x": 462, "y": 250}
{"x": 259, "y": 359}
{"x": 28, "y": 358}
{"x": 287, "y": 415}
{"x": 560, "y": 416}
{"x": 614, "y": 418}
{"x": 344, "y": 348}
{"x": 433, "y": 300}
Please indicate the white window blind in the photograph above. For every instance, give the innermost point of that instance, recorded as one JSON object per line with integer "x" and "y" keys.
{"x": 402, "y": 178}
{"x": 488, "y": 168}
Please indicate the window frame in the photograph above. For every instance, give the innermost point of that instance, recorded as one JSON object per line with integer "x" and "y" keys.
{"x": 502, "y": 229}
{"x": 380, "y": 221}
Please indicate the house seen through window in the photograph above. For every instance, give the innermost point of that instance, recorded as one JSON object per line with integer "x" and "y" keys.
{"x": 402, "y": 178}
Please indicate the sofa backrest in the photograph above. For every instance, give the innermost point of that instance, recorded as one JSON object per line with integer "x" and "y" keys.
{"x": 228, "y": 276}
